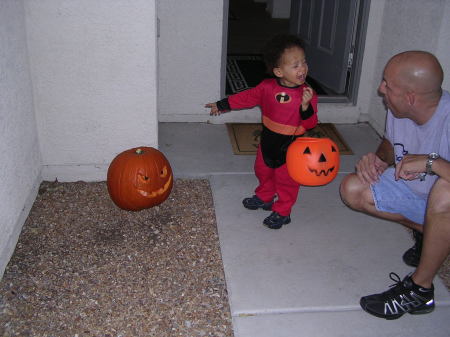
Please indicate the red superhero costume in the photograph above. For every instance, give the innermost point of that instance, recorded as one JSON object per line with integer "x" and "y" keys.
{"x": 283, "y": 120}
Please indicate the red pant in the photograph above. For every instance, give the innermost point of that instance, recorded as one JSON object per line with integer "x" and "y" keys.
{"x": 275, "y": 182}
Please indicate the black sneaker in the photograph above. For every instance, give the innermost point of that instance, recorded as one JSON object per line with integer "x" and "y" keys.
{"x": 276, "y": 221}
{"x": 403, "y": 297}
{"x": 412, "y": 255}
{"x": 255, "y": 203}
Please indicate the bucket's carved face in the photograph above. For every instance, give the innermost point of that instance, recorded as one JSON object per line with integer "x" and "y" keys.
{"x": 313, "y": 161}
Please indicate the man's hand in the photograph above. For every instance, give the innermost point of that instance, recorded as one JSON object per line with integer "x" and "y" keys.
{"x": 370, "y": 167}
{"x": 214, "y": 110}
{"x": 306, "y": 98}
{"x": 411, "y": 166}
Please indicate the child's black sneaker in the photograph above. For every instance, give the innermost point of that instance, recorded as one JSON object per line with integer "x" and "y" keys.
{"x": 255, "y": 203}
{"x": 276, "y": 221}
{"x": 403, "y": 297}
{"x": 412, "y": 255}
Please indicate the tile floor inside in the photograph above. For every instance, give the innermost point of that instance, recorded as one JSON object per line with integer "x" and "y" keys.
{"x": 305, "y": 279}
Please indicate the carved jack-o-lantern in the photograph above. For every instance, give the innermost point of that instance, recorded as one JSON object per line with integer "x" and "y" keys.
{"x": 313, "y": 161}
{"x": 139, "y": 178}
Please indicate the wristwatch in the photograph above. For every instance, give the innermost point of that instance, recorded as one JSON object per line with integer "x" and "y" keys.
{"x": 431, "y": 158}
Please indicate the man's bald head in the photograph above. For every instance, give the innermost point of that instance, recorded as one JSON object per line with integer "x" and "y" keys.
{"x": 417, "y": 71}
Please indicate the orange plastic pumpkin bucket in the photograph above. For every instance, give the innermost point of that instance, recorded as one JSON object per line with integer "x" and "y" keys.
{"x": 313, "y": 161}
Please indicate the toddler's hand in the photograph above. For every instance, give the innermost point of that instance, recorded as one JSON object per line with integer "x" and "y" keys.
{"x": 214, "y": 110}
{"x": 306, "y": 98}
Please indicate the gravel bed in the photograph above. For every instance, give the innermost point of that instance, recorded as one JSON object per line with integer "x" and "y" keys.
{"x": 84, "y": 267}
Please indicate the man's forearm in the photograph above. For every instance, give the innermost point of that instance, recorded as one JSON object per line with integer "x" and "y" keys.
{"x": 385, "y": 152}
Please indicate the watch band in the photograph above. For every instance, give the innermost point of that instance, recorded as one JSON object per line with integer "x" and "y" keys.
{"x": 429, "y": 164}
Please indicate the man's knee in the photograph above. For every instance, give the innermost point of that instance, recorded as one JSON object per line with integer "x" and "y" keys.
{"x": 439, "y": 199}
{"x": 347, "y": 190}
{"x": 354, "y": 193}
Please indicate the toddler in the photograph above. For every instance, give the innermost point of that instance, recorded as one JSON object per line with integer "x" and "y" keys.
{"x": 289, "y": 108}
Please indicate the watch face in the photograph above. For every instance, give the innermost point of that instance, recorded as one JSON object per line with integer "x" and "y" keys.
{"x": 433, "y": 155}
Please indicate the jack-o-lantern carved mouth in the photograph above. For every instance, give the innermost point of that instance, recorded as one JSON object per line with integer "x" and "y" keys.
{"x": 157, "y": 192}
{"x": 321, "y": 172}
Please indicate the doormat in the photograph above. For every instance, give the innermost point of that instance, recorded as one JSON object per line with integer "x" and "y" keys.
{"x": 245, "y": 137}
{"x": 247, "y": 71}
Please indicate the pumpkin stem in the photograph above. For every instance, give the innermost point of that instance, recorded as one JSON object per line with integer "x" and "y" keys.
{"x": 139, "y": 151}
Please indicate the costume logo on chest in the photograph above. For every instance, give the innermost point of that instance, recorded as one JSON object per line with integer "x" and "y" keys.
{"x": 282, "y": 97}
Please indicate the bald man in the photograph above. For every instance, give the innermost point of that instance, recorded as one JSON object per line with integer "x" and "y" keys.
{"x": 407, "y": 180}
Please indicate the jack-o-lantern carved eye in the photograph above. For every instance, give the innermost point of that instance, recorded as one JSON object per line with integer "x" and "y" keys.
{"x": 143, "y": 178}
{"x": 333, "y": 149}
{"x": 307, "y": 150}
{"x": 163, "y": 172}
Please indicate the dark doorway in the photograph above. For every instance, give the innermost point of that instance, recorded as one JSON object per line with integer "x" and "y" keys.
{"x": 250, "y": 25}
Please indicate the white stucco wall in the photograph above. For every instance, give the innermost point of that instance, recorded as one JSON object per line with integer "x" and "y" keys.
{"x": 20, "y": 162}
{"x": 443, "y": 48}
{"x": 93, "y": 67}
{"x": 409, "y": 25}
{"x": 190, "y": 55}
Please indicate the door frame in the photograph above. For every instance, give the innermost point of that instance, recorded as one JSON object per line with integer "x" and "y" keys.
{"x": 358, "y": 51}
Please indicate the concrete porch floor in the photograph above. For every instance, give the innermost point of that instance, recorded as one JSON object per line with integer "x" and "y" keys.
{"x": 305, "y": 279}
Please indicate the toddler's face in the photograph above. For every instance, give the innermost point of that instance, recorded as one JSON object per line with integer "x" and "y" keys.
{"x": 293, "y": 68}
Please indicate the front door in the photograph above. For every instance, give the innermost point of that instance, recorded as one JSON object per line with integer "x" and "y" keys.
{"x": 327, "y": 28}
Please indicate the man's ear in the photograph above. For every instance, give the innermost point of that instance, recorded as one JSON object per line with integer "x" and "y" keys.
{"x": 277, "y": 72}
{"x": 411, "y": 97}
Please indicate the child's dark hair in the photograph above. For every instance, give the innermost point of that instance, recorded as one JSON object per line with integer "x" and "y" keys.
{"x": 275, "y": 47}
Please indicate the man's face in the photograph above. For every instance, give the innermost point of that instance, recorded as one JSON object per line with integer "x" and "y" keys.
{"x": 394, "y": 96}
